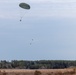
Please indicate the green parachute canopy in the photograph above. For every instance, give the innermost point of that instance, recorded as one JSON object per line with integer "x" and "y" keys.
{"x": 24, "y": 5}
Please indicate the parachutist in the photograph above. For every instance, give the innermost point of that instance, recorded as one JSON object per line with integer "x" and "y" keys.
{"x": 32, "y": 39}
{"x": 20, "y": 20}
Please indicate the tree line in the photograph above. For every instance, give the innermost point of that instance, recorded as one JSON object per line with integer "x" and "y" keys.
{"x": 38, "y": 64}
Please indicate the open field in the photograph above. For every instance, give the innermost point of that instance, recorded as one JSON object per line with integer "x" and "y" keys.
{"x": 71, "y": 71}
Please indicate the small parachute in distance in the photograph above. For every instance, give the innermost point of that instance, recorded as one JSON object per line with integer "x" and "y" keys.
{"x": 24, "y": 5}
{"x": 31, "y": 41}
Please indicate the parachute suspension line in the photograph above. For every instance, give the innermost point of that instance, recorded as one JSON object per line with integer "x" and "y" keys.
{"x": 22, "y": 17}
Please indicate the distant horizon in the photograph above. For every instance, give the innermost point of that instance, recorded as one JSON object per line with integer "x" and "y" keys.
{"x": 36, "y": 60}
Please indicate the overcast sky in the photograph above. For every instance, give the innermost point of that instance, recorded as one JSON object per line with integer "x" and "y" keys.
{"x": 47, "y": 31}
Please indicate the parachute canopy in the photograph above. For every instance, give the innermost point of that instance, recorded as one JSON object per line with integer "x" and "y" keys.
{"x": 24, "y": 5}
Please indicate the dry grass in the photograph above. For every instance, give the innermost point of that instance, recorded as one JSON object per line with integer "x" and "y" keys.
{"x": 71, "y": 71}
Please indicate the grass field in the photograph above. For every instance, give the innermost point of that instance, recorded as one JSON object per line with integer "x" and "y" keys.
{"x": 71, "y": 71}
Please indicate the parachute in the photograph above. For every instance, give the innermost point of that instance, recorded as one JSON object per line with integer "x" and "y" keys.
{"x": 24, "y": 6}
